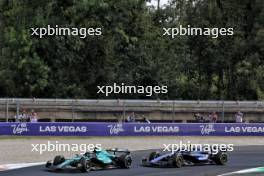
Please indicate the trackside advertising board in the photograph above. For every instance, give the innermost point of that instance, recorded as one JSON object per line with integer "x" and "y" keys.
{"x": 131, "y": 129}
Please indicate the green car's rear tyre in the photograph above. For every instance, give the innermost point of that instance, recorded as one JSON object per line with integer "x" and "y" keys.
{"x": 58, "y": 160}
{"x": 125, "y": 161}
{"x": 85, "y": 165}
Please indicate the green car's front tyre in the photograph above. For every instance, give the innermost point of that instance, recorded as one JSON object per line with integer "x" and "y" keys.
{"x": 58, "y": 160}
{"x": 48, "y": 164}
{"x": 85, "y": 165}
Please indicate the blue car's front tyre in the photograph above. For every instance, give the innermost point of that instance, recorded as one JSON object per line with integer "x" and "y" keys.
{"x": 176, "y": 161}
{"x": 153, "y": 155}
{"x": 179, "y": 161}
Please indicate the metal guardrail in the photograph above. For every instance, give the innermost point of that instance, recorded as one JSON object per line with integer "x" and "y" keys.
{"x": 8, "y": 105}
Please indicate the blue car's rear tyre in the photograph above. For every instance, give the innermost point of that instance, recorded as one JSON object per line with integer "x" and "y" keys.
{"x": 58, "y": 160}
{"x": 221, "y": 158}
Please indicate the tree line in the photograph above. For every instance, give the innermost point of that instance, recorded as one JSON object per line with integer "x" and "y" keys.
{"x": 132, "y": 50}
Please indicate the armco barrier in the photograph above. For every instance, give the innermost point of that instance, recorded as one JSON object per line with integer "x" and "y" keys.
{"x": 131, "y": 129}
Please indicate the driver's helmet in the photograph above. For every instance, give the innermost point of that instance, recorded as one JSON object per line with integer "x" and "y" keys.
{"x": 96, "y": 150}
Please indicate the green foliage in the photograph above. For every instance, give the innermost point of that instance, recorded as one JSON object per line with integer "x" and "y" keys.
{"x": 132, "y": 49}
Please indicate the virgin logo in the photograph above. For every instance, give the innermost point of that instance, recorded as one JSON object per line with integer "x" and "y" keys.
{"x": 19, "y": 128}
{"x": 207, "y": 129}
{"x": 116, "y": 128}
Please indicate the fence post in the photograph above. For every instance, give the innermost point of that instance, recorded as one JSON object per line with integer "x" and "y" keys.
{"x": 56, "y": 111}
{"x": 7, "y": 109}
{"x": 72, "y": 108}
{"x": 124, "y": 111}
{"x": 173, "y": 109}
{"x": 223, "y": 111}
{"x": 17, "y": 110}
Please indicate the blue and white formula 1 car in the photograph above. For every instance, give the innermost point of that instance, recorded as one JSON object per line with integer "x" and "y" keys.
{"x": 182, "y": 158}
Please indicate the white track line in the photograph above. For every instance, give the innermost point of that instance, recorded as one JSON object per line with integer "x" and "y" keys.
{"x": 251, "y": 170}
{"x": 5, "y": 167}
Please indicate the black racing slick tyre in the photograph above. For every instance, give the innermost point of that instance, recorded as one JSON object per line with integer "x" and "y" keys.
{"x": 48, "y": 164}
{"x": 85, "y": 165}
{"x": 58, "y": 160}
{"x": 221, "y": 158}
{"x": 125, "y": 161}
{"x": 153, "y": 155}
{"x": 179, "y": 161}
{"x": 176, "y": 161}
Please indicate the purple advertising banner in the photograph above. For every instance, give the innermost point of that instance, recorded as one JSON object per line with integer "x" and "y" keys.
{"x": 131, "y": 129}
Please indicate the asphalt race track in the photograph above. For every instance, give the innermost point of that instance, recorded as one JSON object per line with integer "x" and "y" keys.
{"x": 241, "y": 158}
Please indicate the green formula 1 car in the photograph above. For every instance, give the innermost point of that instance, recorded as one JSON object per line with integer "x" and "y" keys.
{"x": 99, "y": 159}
